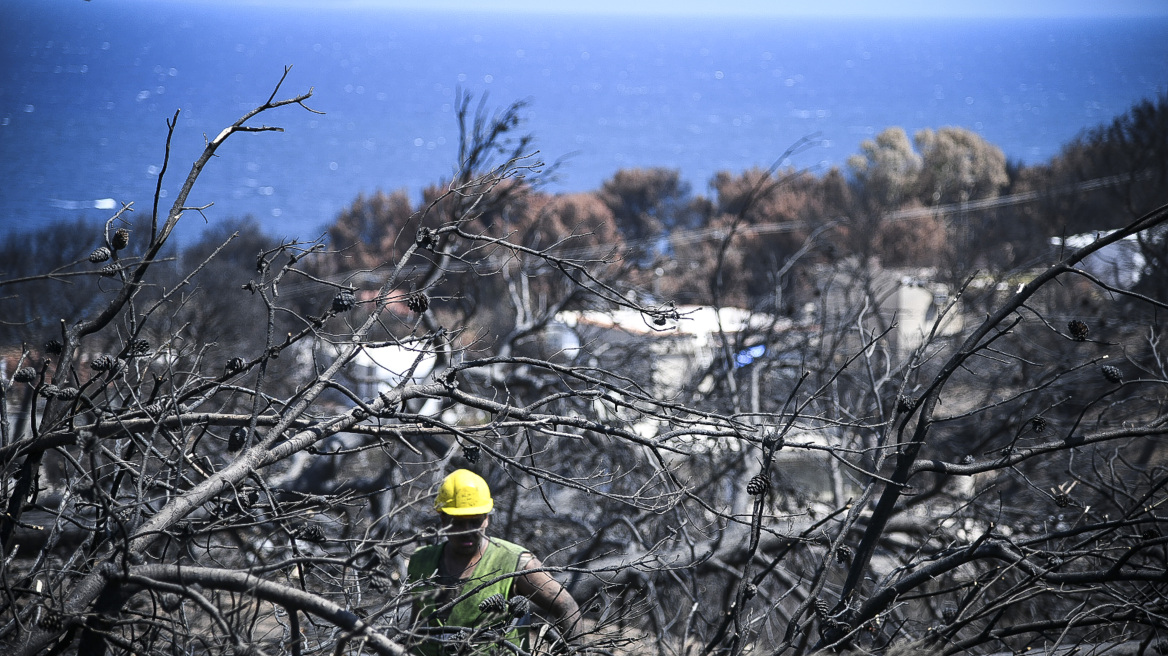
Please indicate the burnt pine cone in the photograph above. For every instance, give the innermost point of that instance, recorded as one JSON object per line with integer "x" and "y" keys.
{"x": 758, "y": 484}
{"x": 495, "y": 603}
{"x": 519, "y": 606}
{"x": 379, "y": 582}
{"x": 237, "y": 439}
{"x": 1038, "y": 423}
{"x": 1078, "y": 330}
{"x": 821, "y": 608}
{"x": 234, "y": 365}
{"x": 139, "y": 347}
{"x": 472, "y": 453}
{"x": 418, "y": 302}
{"x": 25, "y": 375}
{"x": 110, "y": 270}
{"x": 121, "y": 239}
{"x": 905, "y": 404}
{"x": 50, "y": 620}
{"x": 310, "y": 533}
{"x": 344, "y": 301}
{"x": 99, "y": 254}
{"x": 67, "y": 393}
{"x": 1112, "y": 374}
{"x": 54, "y": 347}
{"x": 844, "y": 555}
{"x": 170, "y": 602}
{"x": 102, "y": 363}
{"x": 425, "y": 239}
{"x": 50, "y": 391}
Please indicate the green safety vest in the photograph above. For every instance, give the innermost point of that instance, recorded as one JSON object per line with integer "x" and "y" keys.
{"x": 501, "y": 557}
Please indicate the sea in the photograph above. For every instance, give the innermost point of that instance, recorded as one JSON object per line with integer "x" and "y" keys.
{"x": 87, "y": 90}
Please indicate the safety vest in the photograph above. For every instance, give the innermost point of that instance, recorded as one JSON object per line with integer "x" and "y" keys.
{"x": 463, "y": 625}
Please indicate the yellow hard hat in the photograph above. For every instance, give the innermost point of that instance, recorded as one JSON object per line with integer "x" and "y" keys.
{"x": 464, "y": 492}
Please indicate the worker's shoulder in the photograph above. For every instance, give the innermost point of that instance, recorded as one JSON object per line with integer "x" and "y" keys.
{"x": 424, "y": 561}
{"x": 509, "y": 547}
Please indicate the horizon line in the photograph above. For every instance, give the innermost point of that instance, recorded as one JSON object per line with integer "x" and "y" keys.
{"x": 837, "y": 9}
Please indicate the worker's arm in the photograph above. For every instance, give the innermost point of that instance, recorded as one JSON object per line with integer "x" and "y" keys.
{"x": 550, "y": 596}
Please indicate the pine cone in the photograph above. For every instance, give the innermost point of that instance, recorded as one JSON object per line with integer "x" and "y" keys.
{"x": 1112, "y": 374}
{"x": 519, "y": 606}
{"x": 54, "y": 347}
{"x": 138, "y": 347}
{"x": 110, "y": 270}
{"x": 426, "y": 239}
{"x": 379, "y": 582}
{"x": 472, "y": 453}
{"x": 50, "y": 620}
{"x": 102, "y": 363}
{"x": 758, "y": 484}
{"x": 1062, "y": 500}
{"x": 495, "y": 603}
{"x": 310, "y": 533}
{"x": 1078, "y": 330}
{"x": 344, "y": 301}
{"x": 121, "y": 239}
{"x": 25, "y": 375}
{"x": 1038, "y": 423}
{"x": 184, "y": 531}
{"x": 418, "y": 302}
{"x": 67, "y": 393}
{"x": 949, "y": 613}
{"x": 905, "y": 404}
{"x": 237, "y": 439}
{"x": 843, "y": 555}
{"x": 234, "y": 365}
{"x": 821, "y": 608}
{"x": 170, "y": 602}
{"x": 50, "y": 391}
{"x": 99, "y": 254}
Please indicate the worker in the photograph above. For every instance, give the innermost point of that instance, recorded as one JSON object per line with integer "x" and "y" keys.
{"x": 496, "y": 577}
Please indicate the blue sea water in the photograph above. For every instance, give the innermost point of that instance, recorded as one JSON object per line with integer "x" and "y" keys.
{"x": 86, "y": 89}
